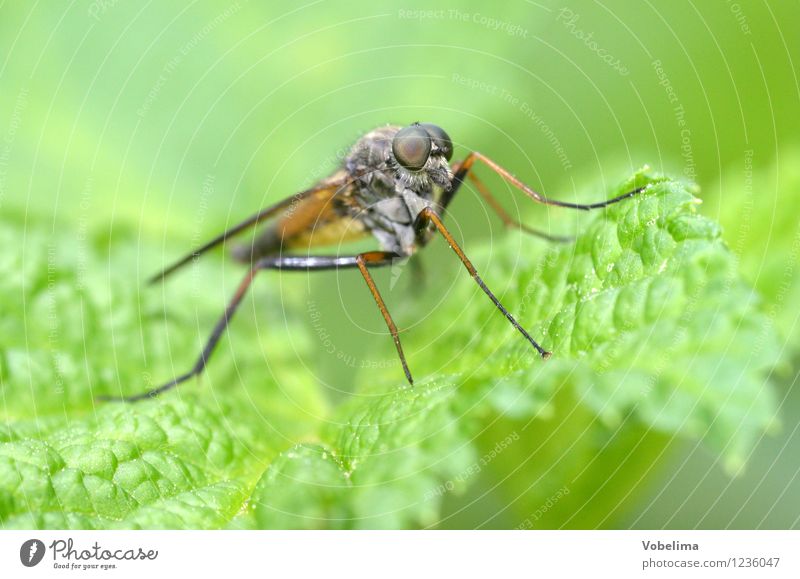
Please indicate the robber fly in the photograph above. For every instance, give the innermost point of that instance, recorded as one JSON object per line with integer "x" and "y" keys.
{"x": 394, "y": 185}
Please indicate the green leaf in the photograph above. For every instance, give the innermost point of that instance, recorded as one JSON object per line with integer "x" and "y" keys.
{"x": 77, "y": 328}
{"x": 146, "y": 466}
{"x": 653, "y": 332}
{"x": 651, "y": 328}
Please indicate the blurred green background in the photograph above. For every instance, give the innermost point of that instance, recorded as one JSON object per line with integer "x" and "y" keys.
{"x": 167, "y": 122}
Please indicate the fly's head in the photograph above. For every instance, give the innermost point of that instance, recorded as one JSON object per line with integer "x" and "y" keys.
{"x": 420, "y": 156}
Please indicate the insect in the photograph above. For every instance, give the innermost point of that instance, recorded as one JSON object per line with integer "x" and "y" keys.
{"x": 395, "y": 185}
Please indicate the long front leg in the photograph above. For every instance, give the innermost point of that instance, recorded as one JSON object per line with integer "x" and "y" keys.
{"x": 378, "y": 258}
{"x": 463, "y": 169}
{"x": 427, "y": 216}
{"x": 292, "y": 263}
{"x": 510, "y": 221}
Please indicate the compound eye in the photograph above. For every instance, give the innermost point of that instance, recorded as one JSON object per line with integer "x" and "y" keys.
{"x": 441, "y": 139}
{"x": 412, "y": 147}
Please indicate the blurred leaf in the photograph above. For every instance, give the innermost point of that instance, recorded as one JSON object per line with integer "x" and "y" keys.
{"x": 764, "y": 236}
{"x": 188, "y": 460}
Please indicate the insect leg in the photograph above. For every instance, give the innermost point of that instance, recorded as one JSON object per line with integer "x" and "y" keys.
{"x": 200, "y": 364}
{"x": 292, "y": 263}
{"x": 377, "y": 258}
{"x": 463, "y": 168}
{"x": 426, "y": 216}
{"x": 510, "y": 221}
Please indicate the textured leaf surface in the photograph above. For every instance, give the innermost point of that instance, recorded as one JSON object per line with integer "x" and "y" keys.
{"x": 653, "y": 332}
{"x": 650, "y": 325}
